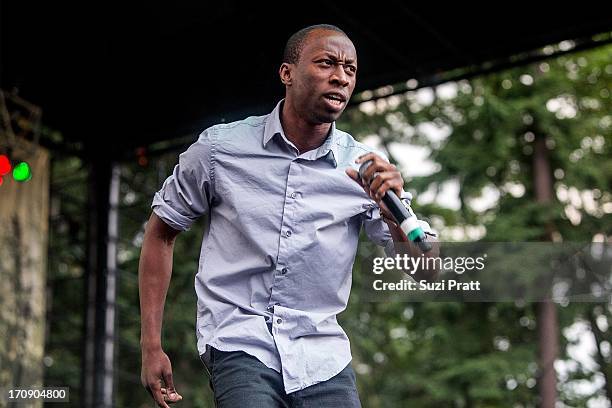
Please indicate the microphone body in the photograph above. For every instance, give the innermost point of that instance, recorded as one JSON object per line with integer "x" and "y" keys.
{"x": 403, "y": 215}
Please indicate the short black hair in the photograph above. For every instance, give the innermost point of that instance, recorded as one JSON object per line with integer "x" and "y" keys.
{"x": 295, "y": 43}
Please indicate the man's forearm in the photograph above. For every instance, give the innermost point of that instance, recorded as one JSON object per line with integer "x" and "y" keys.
{"x": 154, "y": 272}
{"x": 404, "y": 246}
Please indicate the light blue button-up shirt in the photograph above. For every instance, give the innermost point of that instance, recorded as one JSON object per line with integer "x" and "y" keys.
{"x": 280, "y": 246}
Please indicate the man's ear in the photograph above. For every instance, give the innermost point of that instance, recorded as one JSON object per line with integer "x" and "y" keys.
{"x": 285, "y": 73}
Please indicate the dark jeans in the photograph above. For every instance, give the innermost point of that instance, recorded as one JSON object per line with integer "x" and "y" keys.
{"x": 238, "y": 379}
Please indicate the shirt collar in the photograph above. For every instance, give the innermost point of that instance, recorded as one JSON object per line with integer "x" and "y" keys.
{"x": 273, "y": 126}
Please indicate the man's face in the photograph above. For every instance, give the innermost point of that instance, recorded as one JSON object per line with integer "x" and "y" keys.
{"x": 322, "y": 81}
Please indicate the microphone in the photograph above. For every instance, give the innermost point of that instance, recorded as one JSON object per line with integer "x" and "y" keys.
{"x": 403, "y": 215}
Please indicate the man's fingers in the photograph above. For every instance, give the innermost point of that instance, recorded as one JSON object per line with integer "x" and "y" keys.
{"x": 352, "y": 173}
{"x": 171, "y": 391}
{"x": 366, "y": 157}
{"x": 383, "y": 183}
{"x": 168, "y": 381}
{"x": 375, "y": 161}
{"x": 378, "y": 181}
{"x": 157, "y": 395}
{"x": 377, "y": 166}
{"x": 378, "y": 178}
{"x": 355, "y": 176}
{"x": 369, "y": 172}
{"x": 171, "y": 400}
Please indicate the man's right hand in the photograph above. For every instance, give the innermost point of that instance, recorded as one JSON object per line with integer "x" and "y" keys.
{"x": 157, "y": 370}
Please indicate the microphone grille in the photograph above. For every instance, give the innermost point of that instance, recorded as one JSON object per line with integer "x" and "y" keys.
{"x": 363, "y": 167}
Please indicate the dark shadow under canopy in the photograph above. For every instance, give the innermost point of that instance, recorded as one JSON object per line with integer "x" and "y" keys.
{"x": 116, "y": 76}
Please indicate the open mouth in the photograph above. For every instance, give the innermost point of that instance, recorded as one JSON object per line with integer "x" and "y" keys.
{"x": 334, "y": 99}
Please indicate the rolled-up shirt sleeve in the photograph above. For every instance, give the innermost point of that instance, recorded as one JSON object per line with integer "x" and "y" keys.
{"x": 377, "y": 229}
{"x": 378, "y": 232}
{"x": 187, "y": 193}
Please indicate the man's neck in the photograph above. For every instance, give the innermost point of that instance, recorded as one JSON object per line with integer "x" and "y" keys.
{"x": 305, "y": 136}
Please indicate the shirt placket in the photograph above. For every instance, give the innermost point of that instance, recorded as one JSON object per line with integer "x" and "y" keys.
{"x": 287, "y": 237}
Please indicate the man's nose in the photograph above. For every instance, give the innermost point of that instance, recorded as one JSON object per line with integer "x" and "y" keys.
{"x": 339, "y": 76}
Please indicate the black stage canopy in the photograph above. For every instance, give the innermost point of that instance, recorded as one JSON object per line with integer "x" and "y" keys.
{"x": 116, "y": 76}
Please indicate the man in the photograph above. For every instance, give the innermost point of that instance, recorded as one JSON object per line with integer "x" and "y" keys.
{"x": 285, "y": 206}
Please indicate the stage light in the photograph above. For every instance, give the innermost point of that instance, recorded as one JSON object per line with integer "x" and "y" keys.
{"x": 5, "y": 165}
{"x": 141, "y": 154}
{"x": 22, "y": 172}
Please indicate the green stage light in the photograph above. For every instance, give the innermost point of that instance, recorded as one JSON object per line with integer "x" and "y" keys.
{"x": 22, "y": 172}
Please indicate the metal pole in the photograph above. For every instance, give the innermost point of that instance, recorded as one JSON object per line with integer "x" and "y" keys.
{"x": 98, "y": 360}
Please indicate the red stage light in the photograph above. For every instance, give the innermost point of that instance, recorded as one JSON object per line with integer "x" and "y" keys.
{"x": 5, "y": 165}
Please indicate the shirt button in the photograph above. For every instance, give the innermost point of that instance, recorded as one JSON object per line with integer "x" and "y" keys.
{"x": 293, "y": 195}
{"x": 284, "y": 271}
{"x": 279, "y": 321}
{"x": 271, "y": 307}
{"x": 288, "y": 233}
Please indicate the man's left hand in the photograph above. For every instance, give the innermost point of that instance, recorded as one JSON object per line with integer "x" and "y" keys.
{"x": 386, "y": 177}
